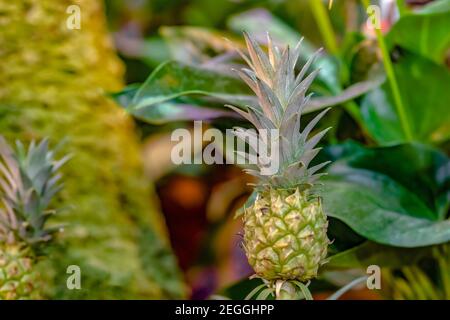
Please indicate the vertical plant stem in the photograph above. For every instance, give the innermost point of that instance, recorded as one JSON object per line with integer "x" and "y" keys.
{"x": 326, "y": 30}
{"x": 394, "y": 86}
{"x": 323, "y": 21}
{"x": 401, "y": 7}
{"x": 392, "y": 82}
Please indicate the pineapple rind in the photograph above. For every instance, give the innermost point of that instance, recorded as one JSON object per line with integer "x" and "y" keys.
{"x": 18, "y": 277}
{"x": 285, "y": 235}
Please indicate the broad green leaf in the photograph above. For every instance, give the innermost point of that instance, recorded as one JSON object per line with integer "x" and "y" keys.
{"x": 398, "y": 188}
{"x": 424, "y": 91}
{"x": 426, "y": 32}
{"x": 172, "y": 80}
{"x": 342, "y": 236}
{"x": 421, "y": 169}
{"x": 125, "y": 96}
{"x": 339, "y": 151}
{"x": 369, "y": 253}
{"x": 154, "y": 51}
{"x": 380, "y": 209}
{"x": 169, "y": 111}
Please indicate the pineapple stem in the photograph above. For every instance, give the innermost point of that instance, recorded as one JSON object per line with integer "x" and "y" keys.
{"x": 392, "y": 82}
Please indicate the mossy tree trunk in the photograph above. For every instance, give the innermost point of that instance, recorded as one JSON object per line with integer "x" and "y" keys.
{"x": 53, "y": 82}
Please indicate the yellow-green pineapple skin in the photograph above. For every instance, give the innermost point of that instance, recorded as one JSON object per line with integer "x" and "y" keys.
{"x": 18, "y": 276}
{"x": 285, "y": 235}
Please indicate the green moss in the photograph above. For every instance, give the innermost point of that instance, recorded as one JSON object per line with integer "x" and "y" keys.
{"x": 53, "y": 82}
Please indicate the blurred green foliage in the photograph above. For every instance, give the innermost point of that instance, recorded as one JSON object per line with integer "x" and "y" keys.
{"x": 54, "y": 84}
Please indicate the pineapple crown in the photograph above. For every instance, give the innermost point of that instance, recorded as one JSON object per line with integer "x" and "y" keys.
{"x": 281, "y": 95}
{"x": 28, "y": 182}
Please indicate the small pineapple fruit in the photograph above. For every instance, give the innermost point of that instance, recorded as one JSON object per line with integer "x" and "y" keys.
{"x": 285, "y": 230}
{"x": 28, "y": 181}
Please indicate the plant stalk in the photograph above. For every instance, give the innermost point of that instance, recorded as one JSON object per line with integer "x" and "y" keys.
{"x": 324, "y": 24}
{"x": 392, "y": 82}
{"x": 326, "y": 30}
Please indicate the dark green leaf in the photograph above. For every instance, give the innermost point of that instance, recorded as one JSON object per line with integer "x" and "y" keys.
{"x": 125, "y": 96}
{"x": 370, "y": 253}
{"x": 431, "y": 36}
{"x": 419, "y": 168}
{"x": 424, "y": 90}
{"x": 172, "y": 80}
{"x": 380, "y": 209}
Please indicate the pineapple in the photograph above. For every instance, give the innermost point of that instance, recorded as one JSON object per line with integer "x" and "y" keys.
{"x": 28, "y": 181}
{"x": 285, "y": 230}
